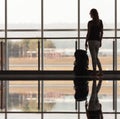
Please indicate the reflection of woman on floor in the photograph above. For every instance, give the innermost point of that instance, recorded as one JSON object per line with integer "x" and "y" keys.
{"x": 94, "y": 108}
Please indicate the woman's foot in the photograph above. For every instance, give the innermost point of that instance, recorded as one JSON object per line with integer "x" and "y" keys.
{"x": 100, "y": 73}
{"x": 94, "y": 73}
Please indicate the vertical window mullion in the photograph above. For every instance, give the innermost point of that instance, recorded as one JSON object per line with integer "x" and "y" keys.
{"x": 78, "y": 24}
{"x": 6, "y": 61}
{"x": 42, "y": 58}
{"x": 115, "y": 61}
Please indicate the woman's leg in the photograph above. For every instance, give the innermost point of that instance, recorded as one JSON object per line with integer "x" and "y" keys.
{"x": 92, "y": 48}
{"x": 98, "y": 61}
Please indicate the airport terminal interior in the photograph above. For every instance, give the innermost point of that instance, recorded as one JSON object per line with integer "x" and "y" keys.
{"x": 38, "y": 38}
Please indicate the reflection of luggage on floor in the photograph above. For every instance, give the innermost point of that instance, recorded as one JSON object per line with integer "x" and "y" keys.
{"x": 81, "y": 68}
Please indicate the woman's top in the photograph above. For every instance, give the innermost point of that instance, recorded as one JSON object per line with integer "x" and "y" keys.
{"x": 95, "y": 30}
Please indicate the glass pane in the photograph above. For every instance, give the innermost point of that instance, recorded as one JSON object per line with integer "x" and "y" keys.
{"x": 23, "y": 96}
{"x": 2, "y": 116}
{"x": 61, "y": 33}
{"x": 2, "y": 17}
{"x": 59, "y": 54}
{"x": 118, "y": 116}
{"x": 24, "y": 33}
{"x": 118, "y": 54}
{"x": 105, "y": 53}
{"x": 118, "y": 34}
{"x": 118, "y": 96}
{"x": 60, "y": 116}
{"x": 23, "y": 12}
{"x": 60, "y": 14}
{"x": 109, "y": 116}
{"x": 23, "y": 54}
{"x": 118, "y": 16}
{"x": 24, "y": 116}
{"x": 58, "y": 96}
{"x": 24, "y": 18}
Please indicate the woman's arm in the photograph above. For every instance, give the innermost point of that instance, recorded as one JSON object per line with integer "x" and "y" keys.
{"x": 87, "y": 36}
{"x": 101, "y": 32}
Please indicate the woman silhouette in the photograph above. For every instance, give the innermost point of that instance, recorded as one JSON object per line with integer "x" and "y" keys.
{"x": 94, "y": 39}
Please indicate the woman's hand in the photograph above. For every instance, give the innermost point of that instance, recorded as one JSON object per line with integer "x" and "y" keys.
{"x": 100, "y": 43}
{"x": 86, "y": 46}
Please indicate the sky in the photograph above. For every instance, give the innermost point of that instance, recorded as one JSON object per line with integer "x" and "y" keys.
{"x": 57, "y": 11}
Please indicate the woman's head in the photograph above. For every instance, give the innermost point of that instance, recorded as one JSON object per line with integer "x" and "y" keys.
{"x": 94, "y": 14}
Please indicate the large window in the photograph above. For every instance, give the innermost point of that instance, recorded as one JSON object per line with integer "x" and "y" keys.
{"x": 41, "y": 35}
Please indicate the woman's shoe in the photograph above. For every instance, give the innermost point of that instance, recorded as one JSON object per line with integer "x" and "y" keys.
{"x": 100, "y": 74}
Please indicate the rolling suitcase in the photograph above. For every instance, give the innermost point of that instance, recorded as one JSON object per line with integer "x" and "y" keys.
{"x": 81, "y": 68}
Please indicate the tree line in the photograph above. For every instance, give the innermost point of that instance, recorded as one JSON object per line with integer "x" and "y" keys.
{"x": 20, "y": 48}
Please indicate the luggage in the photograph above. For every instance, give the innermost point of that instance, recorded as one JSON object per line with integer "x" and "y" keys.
{"x": 81, "y": 68}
